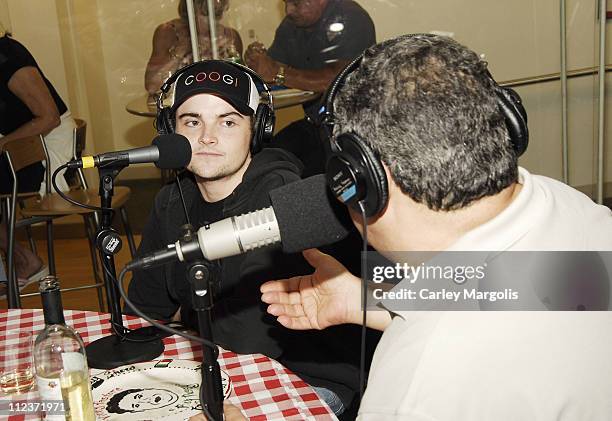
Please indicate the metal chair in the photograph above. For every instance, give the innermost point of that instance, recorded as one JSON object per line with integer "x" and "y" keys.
{"x": 3, "y": 277}
{"x": 74, "y": 176}
{"x": 21, "y": 153}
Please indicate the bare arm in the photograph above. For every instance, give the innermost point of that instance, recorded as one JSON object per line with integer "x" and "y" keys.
{"x": 237, "y": 41}
{"x": 168, "y": 53}
{"x": 28, "y": 85}
{"x": 313, "y": 80}
{"x": 307, "y": 80}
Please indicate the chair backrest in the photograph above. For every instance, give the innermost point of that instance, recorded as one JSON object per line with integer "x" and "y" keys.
{"x": 75, "y": 177}
{"x": 26, "y": 151}
{"x": 80, "y": 131}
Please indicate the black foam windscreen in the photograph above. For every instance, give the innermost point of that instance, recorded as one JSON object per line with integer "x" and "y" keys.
{"x": 174, "y": 151}
{"x": 308, "y": 215}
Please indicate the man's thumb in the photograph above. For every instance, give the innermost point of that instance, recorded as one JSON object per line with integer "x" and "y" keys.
{"x": 314, "y": 257}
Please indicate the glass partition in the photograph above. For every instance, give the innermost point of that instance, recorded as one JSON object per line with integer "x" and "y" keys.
{"x": 105, "y": 55}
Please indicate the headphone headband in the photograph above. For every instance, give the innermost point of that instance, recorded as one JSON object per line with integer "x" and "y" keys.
{"x": 326, "y": 112}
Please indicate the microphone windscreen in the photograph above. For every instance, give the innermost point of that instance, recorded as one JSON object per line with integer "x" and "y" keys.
{"x": 308, "y": 215}
{"x": 174, "y": 151}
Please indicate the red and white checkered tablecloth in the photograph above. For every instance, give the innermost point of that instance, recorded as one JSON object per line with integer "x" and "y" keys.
{"x": 261, "y": 387}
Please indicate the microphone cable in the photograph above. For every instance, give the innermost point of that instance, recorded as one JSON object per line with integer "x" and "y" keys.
{"x": 68, "y": 199}
{"x": 122, "y": 331}
{"x": 158, "y": 325}
{"x": 180, "y": 189}
{"x": 364, "y": 297}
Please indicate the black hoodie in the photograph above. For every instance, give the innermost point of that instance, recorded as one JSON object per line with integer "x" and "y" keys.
{"x": 240, "y": 321}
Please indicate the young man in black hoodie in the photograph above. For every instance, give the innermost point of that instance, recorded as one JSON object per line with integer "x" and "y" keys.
{"x": 213, "y": 106}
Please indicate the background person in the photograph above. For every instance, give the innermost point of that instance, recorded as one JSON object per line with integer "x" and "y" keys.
{"x": 434, "y": 124}
{"x": 172, "y": 42}
{"x": 30, "y": 106}
{"x": 315, "y": 40}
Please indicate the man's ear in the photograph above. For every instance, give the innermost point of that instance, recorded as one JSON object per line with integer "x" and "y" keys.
{"x": 391, "y": 183}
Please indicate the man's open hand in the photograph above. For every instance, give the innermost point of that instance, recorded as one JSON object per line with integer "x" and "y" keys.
{"x": 328, "y": 297}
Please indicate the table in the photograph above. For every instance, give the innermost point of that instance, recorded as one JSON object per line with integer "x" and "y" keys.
{"x": 145, "y": 107}
{"x": 261, "y": 387}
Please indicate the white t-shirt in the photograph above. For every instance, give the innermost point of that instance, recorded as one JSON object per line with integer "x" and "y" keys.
{"x": 453, "y": 366}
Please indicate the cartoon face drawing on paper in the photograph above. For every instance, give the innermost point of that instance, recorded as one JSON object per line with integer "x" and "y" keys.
{"x": 140, "y": 400}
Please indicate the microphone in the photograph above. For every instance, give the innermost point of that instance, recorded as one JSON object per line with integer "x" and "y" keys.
{"x": 167, "y": 151}
{"x": 288, "y": 221}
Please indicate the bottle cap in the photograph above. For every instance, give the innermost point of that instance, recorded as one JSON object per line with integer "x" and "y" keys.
{"x": 53, "y": 309}
{"x": 47, "y": 283}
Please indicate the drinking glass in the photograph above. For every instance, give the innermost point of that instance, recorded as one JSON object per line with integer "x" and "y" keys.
{"x": 16, "y": 361}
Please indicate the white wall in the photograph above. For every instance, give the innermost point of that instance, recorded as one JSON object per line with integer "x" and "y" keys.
{"x": 35, "y": 24}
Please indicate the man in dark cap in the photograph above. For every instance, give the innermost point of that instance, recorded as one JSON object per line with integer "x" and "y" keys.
{"x": 214, "y": 104}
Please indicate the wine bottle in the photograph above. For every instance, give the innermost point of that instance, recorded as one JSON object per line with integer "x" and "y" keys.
{"x": 62, "y": 375}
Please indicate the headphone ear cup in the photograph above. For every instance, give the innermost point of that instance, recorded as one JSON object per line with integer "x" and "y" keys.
{"x": 256, "y": 139}
{"x": 263, "y": 127}
{"x": 164, "y": 122}
{"x": 269, "y": 122}
{"x": 515, "y": 116}
{"x": 355, "y": 174}
{"x": 159, "y": 126}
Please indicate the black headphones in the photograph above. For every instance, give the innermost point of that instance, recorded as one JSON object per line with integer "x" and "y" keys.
{"x": 355, "y": 173}
{"x": 263, "y": 119}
